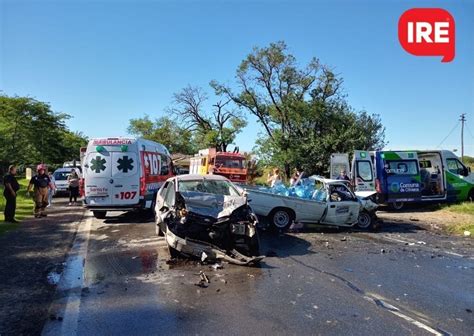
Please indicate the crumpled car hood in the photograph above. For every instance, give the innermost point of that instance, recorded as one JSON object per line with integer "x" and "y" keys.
{"x": 212, "y": 205}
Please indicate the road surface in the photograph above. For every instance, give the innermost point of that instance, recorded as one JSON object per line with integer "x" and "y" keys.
{"x": 400, "y": 281}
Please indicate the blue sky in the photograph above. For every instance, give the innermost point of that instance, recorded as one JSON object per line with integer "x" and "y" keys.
{"x": 104, "y": 62}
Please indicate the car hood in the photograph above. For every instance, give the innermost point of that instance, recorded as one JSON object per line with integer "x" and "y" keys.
{"x": 212, "y": 205}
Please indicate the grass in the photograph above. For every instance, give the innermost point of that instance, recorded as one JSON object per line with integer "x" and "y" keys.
{"x": 24, "y": 207}
{"x": 465, "y": 208}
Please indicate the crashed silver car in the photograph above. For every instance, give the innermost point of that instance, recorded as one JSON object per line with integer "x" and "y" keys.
{"x": 207, "y": 217}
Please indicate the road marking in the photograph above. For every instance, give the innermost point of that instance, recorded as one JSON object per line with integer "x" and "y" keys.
{"x": 373, "y": 298}
{"x": 394, "y": 310}
{"x": 70, "y": 284}
{"x": 413, "y": 243}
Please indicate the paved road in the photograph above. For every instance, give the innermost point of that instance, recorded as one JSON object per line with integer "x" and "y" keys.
{"x": 400, "y": 281}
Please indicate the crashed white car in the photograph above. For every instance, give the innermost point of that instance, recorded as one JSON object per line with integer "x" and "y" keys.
{"x": 332, "y": 203}
{"x": 207, "y": 216}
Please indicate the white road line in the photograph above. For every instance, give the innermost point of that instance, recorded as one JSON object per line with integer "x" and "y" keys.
{"x": 70, "y": 284}
{"x": 394, "y": 310}
{"x": 454, "y": 254}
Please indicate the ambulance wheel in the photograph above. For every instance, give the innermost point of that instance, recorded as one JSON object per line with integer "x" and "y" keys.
{"x": 99, "y": 214}
{"x": 281, "y": 218}
{"x": 397, "y": 205}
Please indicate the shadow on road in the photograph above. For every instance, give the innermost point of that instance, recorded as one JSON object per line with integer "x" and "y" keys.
{"x": 131, "y": 217}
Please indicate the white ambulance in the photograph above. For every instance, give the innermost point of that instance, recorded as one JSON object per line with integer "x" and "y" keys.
{"x": 122, "y": 174}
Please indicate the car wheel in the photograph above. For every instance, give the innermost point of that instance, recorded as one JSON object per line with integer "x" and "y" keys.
{"x": 282, "y": 218}
{"x": 99, "y": 214}
{"x": 397, "y": 205}
{"x": 365, "y": 220}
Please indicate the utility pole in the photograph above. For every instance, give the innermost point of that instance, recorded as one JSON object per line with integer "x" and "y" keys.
{"x": 463, "y": 120}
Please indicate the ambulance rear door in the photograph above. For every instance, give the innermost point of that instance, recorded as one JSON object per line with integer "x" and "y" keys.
{"x": 339, "y": 161}
{"x": 363, "y": 177}
{"x": 125, "y": 181}
{"x": 97, "y": 176}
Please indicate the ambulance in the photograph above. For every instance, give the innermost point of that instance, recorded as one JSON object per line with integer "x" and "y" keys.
{"x": 123, "y": 174}
{"x": 408, "y": 176}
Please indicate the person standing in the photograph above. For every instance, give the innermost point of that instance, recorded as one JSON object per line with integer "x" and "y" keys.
{"x": 40, "y": 183}
{"x": 11, "y": 188}
{"x": 73, "y": 182}
{"x": 343, "y": 176}
{"x": 275, "y": 178}
{"x": 51, "y": 189}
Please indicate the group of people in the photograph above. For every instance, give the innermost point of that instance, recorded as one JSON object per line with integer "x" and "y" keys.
{"x": 43, "y": 187}
{"x": 275, "y": 177}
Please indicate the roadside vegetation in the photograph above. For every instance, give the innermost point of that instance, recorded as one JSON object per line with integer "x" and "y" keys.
{"x": 24, "y": 207}
{"x": 31, "y": 132}
{"x": 467, "y": 221}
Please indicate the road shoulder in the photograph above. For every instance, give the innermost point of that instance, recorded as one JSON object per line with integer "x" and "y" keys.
{"x": 32, "y": 258}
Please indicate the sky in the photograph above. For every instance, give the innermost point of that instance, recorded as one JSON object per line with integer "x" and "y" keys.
{"x": 105, "y": 62}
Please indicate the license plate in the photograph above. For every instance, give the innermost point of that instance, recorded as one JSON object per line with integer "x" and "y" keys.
{"x": 238, "y": 228}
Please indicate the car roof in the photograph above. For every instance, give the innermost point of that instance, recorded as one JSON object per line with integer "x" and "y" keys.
{"x": 193, "y": 177}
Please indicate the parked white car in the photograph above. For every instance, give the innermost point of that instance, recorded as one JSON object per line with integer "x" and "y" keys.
{"x": 60, "y": 176}
{"x": 333, "y": 204}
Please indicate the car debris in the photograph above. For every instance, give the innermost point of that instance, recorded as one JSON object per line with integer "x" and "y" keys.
{"x": 209, "y": 218}
{"x": 216, "y": 267}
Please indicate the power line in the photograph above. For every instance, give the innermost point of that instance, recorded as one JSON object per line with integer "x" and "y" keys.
{"x": 451, "y": 132}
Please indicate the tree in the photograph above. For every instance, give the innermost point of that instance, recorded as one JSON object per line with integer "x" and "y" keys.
{"x": 303, "y": 111}
{"x": 30, "y": 132}
{"x": 216, "y": 129}
{"x": 165, "y": 131}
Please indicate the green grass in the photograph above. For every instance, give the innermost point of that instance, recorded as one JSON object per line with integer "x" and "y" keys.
{"x": 24, "y": 207}
{"x": 465, "y": 208}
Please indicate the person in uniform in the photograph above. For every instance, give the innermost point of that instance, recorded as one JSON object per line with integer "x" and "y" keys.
{"x": 41, "y": 184}
{"x": 11, "y": 188}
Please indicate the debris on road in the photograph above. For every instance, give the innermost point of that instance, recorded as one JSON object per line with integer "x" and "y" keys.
{"x": 204, "y": 277}
{"x": 216, "y": 267}
{"x": 467, "y": 233}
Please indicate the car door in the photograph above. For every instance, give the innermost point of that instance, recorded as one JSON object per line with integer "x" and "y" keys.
{"x": 342, "y": 206}
{"x": 125, "y": 179}
{"x": 312, "y": 211}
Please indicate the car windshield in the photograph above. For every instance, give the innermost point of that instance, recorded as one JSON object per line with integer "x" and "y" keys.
{"x": 229, "y": 162}
{"x": 61, "y": 176}
{"x": 217, "y": 187}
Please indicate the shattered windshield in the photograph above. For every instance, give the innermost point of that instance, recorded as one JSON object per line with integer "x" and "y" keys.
{"x": 217, "y": 187}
